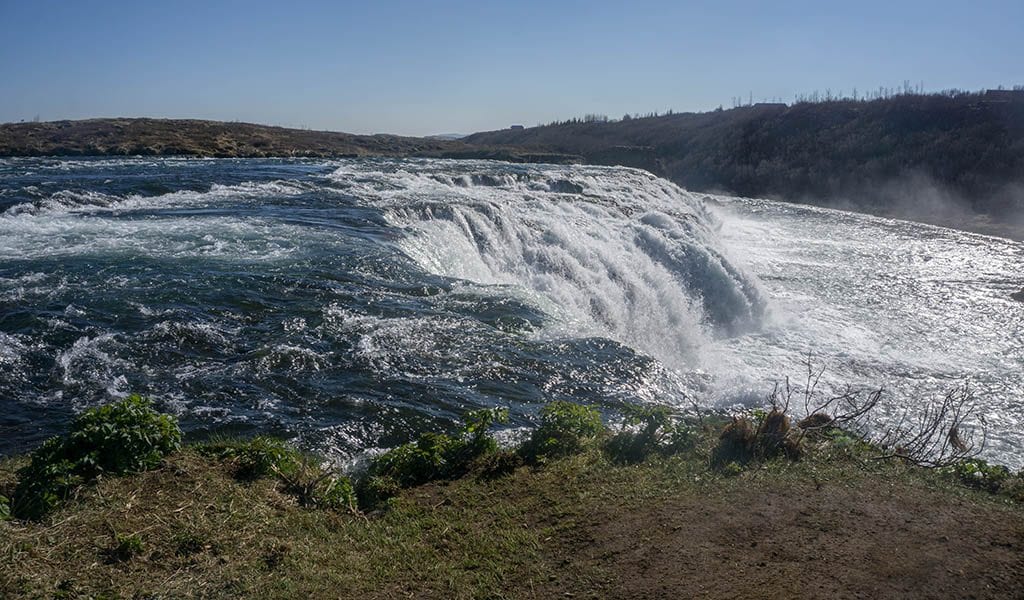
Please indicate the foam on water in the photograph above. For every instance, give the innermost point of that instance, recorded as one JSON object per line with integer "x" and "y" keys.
{"x": 75, "y": 223}
{"x": 912, "y": 308}
{"x": 610, "y": 252}
{"x": 352, "y": 304}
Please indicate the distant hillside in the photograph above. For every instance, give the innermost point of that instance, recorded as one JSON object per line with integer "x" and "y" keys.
{"x": 961, "y": 150}
{"x": 173, "y": 137}
{"x": 102, "y": 137}
{"x": 951, "y": 159}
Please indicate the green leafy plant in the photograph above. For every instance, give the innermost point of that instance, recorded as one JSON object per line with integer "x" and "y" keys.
{"x": 977, "y": 473}
{"x": 565, "y": 428}
{"x": 654, "y": 430}
{"x": 123, "y": 437}
{"x": 375, "y": 489}
{"x": 477, "y": 424}
{"x": 5, "y": 508}
{"x": 335, "y": 493}
{"x": 432, "y": 456}
{"x": 263, "y": 456}
{"x": 731, "y": 469}
{"x": 301, "y": 475}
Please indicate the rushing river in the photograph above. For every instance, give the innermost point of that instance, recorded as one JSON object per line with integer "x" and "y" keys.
{"x": 351, "y": 304}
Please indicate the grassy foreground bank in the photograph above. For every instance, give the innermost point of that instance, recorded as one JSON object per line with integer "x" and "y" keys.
{"x": 581, "y": 516}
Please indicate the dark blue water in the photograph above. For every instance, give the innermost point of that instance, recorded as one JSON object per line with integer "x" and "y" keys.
{"x": 299, "y": 298}
{"x": 352, "y": 304}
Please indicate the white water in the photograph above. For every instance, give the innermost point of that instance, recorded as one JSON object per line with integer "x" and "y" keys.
{"x": 913, "y": 309}
{"x": 609, "y": 252}
{"x": 728, "y": 295}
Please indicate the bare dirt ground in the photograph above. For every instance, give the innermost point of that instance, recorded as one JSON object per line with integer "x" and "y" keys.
{"x": 801, "y": 542}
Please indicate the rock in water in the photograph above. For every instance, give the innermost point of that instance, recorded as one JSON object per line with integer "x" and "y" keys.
{"x": 1019, "y": 296}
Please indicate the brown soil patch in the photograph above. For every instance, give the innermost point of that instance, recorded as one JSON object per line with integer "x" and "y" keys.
{"x": 783, "y": 541}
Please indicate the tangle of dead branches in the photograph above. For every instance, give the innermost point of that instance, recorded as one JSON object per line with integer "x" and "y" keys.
{"x": 941, "y": 434}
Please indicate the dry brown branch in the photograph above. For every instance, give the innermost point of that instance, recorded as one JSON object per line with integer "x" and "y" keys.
{"x": 943, "y": 433}
{"x": 940, "y": 435}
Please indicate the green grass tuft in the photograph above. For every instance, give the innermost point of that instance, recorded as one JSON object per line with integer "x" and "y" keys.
{"x": 125, "y": 548}
{"x": 256, "y": 458}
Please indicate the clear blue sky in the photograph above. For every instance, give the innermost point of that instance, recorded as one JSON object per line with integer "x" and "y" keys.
{"x": 427, "y": 67}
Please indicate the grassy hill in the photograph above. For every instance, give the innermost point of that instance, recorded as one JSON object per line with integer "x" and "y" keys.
{"x": 600, "y": 514}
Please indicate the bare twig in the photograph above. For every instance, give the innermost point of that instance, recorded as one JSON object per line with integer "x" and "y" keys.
{"x": 940, "y": 434}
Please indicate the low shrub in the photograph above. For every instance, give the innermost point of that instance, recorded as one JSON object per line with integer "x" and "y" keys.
{"x": 657, "y": 431}
{"x": 315, "y": 487}
{"x": 301, "y": 475}
{"x": 977, "y": 473}
{"x": 432, "y": 456}
{"x": 741, "y": 441}
{"x": 498, "y": 464}
{"x": 258, "y": 457}
{"x": 123, "y": 437}
{"x": 5, "y": 508}
{"x": 477, "y": 425}
{"x": 565, "y": 429}
{"x": 375, "y": 489}
{"x": 774, "y": 437}
{"x": 334, "y": 493}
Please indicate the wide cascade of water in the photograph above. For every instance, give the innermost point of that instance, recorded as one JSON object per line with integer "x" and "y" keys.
{"x": 351, "y": 304}
{"x": 615, "y": 253}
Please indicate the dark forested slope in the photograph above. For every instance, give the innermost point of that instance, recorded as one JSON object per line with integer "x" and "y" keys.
{"x": 969, "y": 146}
{"x": 955, "y": 159}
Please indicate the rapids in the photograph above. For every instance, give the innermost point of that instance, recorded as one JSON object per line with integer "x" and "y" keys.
{"x": 350, "y": 304}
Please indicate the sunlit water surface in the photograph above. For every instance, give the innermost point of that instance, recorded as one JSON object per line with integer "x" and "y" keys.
{"x": 351, "y": 304}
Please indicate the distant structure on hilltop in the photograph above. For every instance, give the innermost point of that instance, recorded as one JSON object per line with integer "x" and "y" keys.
{"x": 516, "y": 127}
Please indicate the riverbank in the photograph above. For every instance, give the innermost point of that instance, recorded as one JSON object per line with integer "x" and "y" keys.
{"x": 835, "y": 524}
